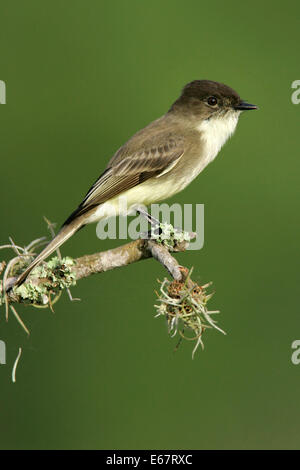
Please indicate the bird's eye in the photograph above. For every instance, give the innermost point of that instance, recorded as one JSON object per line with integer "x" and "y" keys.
{"x": 212, "y": 101}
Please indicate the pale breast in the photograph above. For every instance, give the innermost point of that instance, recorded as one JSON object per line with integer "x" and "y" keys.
{"x": 215, "y": 132}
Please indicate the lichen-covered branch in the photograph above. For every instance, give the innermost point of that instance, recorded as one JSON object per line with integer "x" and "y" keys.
{"x": 51, "y": 277}
{"x": 181, "y": 301}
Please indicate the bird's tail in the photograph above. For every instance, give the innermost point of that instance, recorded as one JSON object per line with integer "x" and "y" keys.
{"x": 63, "y": 235}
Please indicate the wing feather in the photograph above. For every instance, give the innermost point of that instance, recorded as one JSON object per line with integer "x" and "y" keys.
{"x": 127, "y": 170}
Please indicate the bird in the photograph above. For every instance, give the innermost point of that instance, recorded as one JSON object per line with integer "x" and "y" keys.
{"x": 159, "y": 160}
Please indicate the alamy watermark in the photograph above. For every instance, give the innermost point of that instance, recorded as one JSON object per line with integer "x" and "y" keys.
{"x": 295, "y": 357}
{"x": 187, "y": 218}
{"x": 296, "y": 94}
{"x": 2, "y": 352}
{"x": 2, "y": 92}
{"x": 3, "y": 359}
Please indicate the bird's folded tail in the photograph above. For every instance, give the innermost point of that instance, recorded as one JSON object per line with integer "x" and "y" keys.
{"x": 63, "y": 235}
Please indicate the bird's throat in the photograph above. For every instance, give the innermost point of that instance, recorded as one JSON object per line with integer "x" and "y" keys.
{"x": 216, "y": 131}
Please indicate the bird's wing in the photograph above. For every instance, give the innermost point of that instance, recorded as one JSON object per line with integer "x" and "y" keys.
{"x": 128, "y": 169}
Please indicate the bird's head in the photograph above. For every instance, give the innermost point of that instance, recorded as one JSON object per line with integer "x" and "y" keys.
{"x": 204, "y": 99}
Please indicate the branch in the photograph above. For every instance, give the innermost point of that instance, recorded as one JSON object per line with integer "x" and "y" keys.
{"x": 181, "y": 301}
{"x": 60, "y": 273}
{"x": 127, "y": 254}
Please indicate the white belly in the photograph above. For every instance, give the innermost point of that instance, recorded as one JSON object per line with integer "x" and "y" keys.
{"x": 145, "y": 194}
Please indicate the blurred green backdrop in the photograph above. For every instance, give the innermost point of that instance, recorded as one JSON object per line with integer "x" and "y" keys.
{"x": 82, "y": 77}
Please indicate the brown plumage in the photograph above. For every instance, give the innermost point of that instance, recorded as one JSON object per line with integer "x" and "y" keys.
{"x": 163, "y": 157}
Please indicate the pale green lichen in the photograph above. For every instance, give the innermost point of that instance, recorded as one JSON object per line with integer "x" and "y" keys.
{"x": 56, "y": 275}
{"x": 169, "y": 236}
{"x": 184, "y": 305}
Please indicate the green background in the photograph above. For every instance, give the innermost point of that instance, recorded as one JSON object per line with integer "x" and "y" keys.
{"x": 82, "y": 77}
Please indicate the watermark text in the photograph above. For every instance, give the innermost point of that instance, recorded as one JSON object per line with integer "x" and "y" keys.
{"x": 296, "y": 94}
{"x": 2, "y": 352}
{"x": 188, "y": 218}
{"x": 2, "y": 92}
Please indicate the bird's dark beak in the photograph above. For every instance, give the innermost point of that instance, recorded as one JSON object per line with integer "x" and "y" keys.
{"x": 244, "y": 106}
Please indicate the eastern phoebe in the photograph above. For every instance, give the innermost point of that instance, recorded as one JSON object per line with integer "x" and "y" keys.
{"x": 159, "y": 160}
